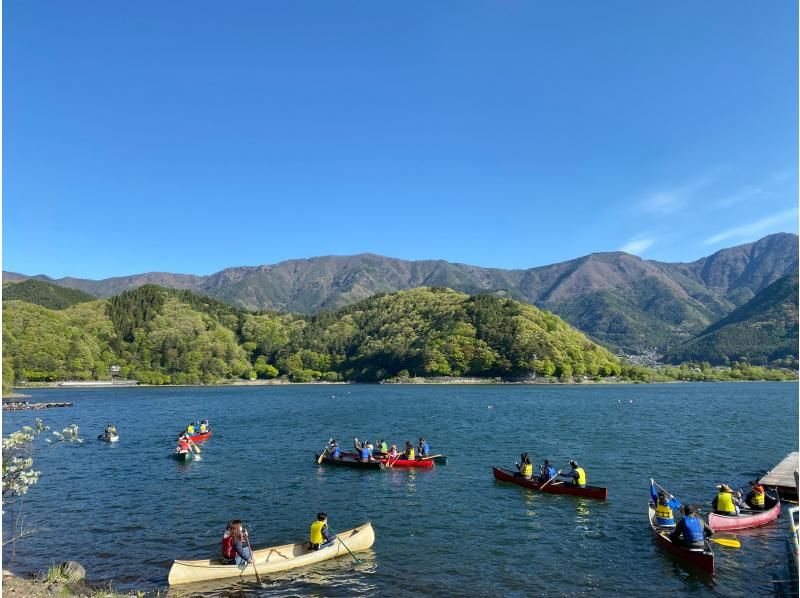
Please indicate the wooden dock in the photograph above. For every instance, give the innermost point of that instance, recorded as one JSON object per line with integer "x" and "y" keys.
{"x": 784, "y": 476}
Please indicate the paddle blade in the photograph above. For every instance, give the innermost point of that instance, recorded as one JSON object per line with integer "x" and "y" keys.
{"x": 729, "y": 542}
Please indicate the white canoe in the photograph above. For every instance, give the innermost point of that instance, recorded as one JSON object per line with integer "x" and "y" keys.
{"x": 111, "y": 438}
{"x": 272, "y": 560}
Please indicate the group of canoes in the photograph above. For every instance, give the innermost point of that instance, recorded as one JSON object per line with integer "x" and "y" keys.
{"x": 689, "y": 537}
{"x": 368, "y": 456}
{"x": 187, "y": 447}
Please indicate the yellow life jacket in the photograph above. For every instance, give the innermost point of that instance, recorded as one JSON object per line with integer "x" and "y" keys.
{"x": 725, "y": 503}
{"x": 202, "y": 428}
{"x": 581, "y": 476}
{"x": 410, "y": 454}
{"x": 663, "y": 511}
{"x": 757, "y": 500}
{"x": 190, "y": 428}
{"x": 316, "y": 532}
{"x": 527, "y": 470}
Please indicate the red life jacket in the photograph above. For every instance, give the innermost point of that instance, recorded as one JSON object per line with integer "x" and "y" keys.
{"x": 183, "y": 445}
{"x": 227, "y": 548}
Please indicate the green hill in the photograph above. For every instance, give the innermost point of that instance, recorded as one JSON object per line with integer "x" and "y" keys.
{"x": 162, "y": 336}
{"x": 763, "y": 330}
{"x": 45, "y": 294}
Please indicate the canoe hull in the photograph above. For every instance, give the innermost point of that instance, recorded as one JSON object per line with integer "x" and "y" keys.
{"x": 200, "y": 437}
{"x": 271, "y": 560}
{"x": 745, "y": 520}
{"x": 425, "y": 463}
{"x": 702, "y": 559}
{"x": 112, "y": 438}
{"x": 183, "y": 457}
{"x": 506, "y": 475}
{"x": 350, "y": 462}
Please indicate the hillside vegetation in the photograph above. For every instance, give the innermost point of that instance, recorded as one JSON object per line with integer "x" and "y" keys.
{"x": 45, "y": 294}
{"x": 162, "y": 336}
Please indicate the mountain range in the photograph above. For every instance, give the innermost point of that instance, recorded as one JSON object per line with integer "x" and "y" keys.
{"x": 623, "y": 301}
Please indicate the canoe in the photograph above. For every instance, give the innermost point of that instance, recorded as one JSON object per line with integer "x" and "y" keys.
{"x": 506, "y": 475}
{"x": 350, "y": 462}
{"x": 391, "y": 462}
{"x": 183, "y": 457}
{"x": 271, "y": 560}
{"x": 109, "y": 438}
{"x": 747, "y": 517}
{"x": 438, "y": 459}
{"x": 200, "y": 437}
{"x": 702, "y": 558}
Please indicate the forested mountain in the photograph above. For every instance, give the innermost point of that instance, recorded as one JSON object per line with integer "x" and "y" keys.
{"x": 763, "y": 330}
{"x": 621, "y": 300}
{"x": 162, "y": 336}
{"x": 45, "y": 294}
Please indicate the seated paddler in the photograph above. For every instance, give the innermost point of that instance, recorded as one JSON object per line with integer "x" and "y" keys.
{"x": 183, "y": 445}
{"x": 577, "y": 474}
{"x": 664, "y": 506}
{"x": 384, "y": 448}
{"x": 409, "y": 453}
{"x": 362, "y": 450}
{"x": 546, "y": 472}
{"x": 190, "y": 428}
{"x": 726, "y": 502}
{"x": 204, "y": 426}
{"x": 691, "y": 531}
{"x": 321, "y": 536}
{"x": 525, "y": 467}
{"x": 424, "y": 449}
{"x": 756, "y": 498}
{"x": 234, "y": 547}
{"x": 111, "y": 430}
{"x": 334, "y": 450}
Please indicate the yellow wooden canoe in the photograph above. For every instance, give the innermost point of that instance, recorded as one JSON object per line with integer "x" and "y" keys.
{"x": 271, "y": 560}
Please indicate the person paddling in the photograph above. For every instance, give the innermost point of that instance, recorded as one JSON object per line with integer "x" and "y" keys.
{"x": 384, "y": 448}
{"x": 334, "y": 451}
{"x": 409, "y": 452}
{"x": 691, "y": 531}
{"x": 664, "y": 506}
{"x": 321, "y": 536}
{"x": 424, "y": 448}
{"x": 525, "y": 467}
{"x": 725, "y": 503}
{"x": 547, "y": 472}
{"x": 363, "y": 451}
{"x": 232, "y": 547}
{"x": 577, "y": 474}
{"x": 190, "y": 428}
{"x": 111, "y": 430}
{"x": 183, "y": 444}
{"x": 756, "y": 498}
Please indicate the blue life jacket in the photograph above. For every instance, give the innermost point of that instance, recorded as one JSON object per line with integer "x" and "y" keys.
{"x": 364, "y": 453}
{"x": 550, "y": 472}
{"x": 336, "y": 452}
{"x": 426, "y": 449}
{"x": 693, "y": 530}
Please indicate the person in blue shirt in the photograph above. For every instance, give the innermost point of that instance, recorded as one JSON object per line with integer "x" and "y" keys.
{"x": 691, "y": 531}
{"x": 363, "y": 451}
{"x": 546, "y": 472}
{"x": 424, "y": 448}
{"x": 334, "y": 451}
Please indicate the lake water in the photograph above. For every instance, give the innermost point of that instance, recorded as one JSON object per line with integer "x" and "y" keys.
{"x": 125, "y": 511}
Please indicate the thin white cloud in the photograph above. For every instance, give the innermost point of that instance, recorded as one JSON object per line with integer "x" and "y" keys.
{"x": 637, "y": 246}
{"x": 675, "y": 199}
{"x": 753, "y": 228}
{"x": 743, "y": 194}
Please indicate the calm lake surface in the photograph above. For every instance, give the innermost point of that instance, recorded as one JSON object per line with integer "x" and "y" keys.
{"x": 125, "y": 511}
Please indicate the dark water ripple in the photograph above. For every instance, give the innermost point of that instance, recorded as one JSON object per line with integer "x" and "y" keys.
{"x": 126, "y": 510}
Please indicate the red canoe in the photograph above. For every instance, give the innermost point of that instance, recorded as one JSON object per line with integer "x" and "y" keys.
{"x": 201, "y": 437}
{"x": 506, "y": 475}
{"x": 747, "y": 517}
{"x": 703, "y": 558}
{"x": 390, "y": 462}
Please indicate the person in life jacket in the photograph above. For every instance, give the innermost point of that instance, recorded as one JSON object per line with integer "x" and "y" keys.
{"x": 233, "y": 546}
{"x": 546, "y": 471}
{"x": 393, "y": 452}
{"x": 664, "y": 516}
{"x": 755, "y": 499}
{"x": 384, "y": 448}
{"x": 183, "y": 444}
{"x": 364, "y": 454}
{"x": 204, "y": 426}
{"x": 334, "y": 450}
{"x": 726, "y": 503}
{"x": 370, "y": 448}
{"x": 111, "y": 430}
{"x": 691, "y": 531}
{"x": 321, "y": 536}
{"x": 190, "y": 428}
{"x": 409, "y": 453}
{"x": 525, "y": 467}
{"x": 577, "y": 474}
{"x": 424, "y": 448}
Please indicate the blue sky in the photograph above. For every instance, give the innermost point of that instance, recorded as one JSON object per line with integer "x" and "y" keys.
{"x": 191, "y": 136}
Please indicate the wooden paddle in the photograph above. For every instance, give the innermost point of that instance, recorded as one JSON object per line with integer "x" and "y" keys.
{"x": 322, "y": 456}
{"x": 345, "y": 545}
{"x": 551, "y": 479}
{"x": 252, "y": 557}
